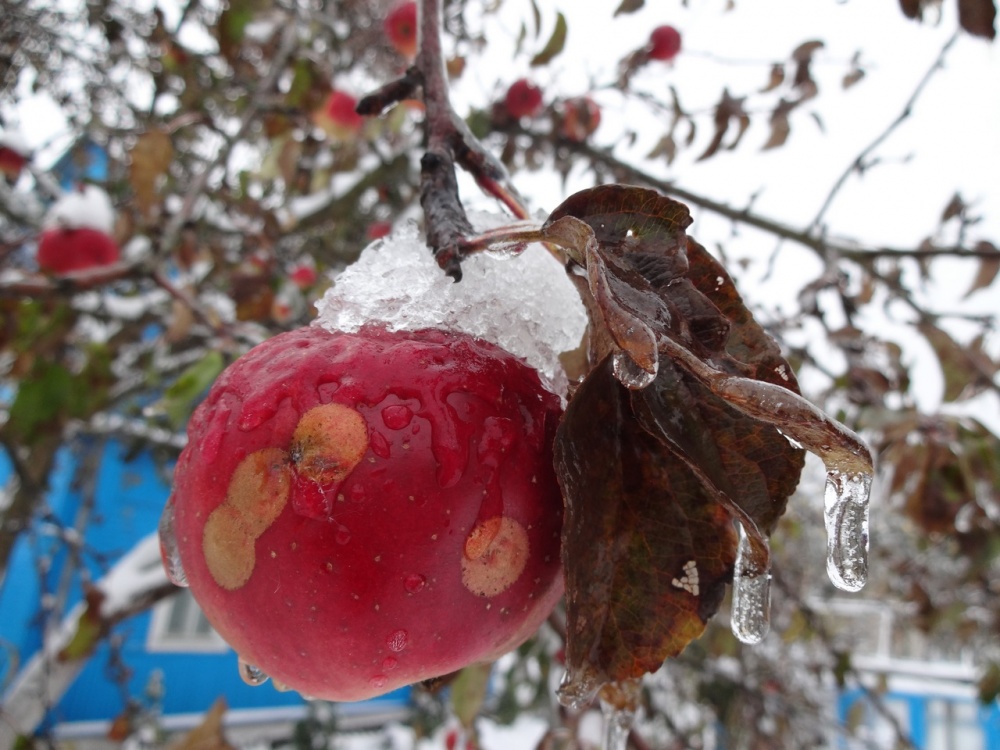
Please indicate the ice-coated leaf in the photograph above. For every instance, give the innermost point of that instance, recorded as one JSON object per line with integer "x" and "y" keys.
{"x": 654, "y": 476}
{"x": 647, "y": 553}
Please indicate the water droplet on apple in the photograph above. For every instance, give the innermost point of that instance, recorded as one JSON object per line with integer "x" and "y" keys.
{"x": 397, "y": 640}
{"x": 342, "y": 535}
{"x": 379, "y": 444}
{"x": 169, "y": 551}
{"x": 389, "y": 663}
{"x": 397, "y": 416}
{"x": 378, "y": 681}
{"x": 250, "y": 674}
{"x": 414, "y": 582}
{"x": 255, "y": 412}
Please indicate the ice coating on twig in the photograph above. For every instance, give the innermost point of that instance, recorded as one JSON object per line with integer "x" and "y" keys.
{"x": 525, "y": 305}
{"x": 751, "y": 607}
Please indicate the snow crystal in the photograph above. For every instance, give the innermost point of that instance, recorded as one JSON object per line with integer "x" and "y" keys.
{"x": 526, "y": 304}
{"x": 90, "y": 207}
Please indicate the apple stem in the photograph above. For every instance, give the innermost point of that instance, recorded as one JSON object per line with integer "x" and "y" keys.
{"x": 449, "y": 142}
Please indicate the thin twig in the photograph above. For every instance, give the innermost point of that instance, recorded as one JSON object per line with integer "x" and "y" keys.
{"x": 858, "y": 165}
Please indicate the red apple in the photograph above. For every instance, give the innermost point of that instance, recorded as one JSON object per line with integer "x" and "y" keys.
{"x": 401, "y": 29}
{"x": 339, "y": 117}
{"x": 14, "y": 155}
{"x": 303, "y": 275}
{"x": 65, "y": 250}
{"x": 378, "y": 229}
{"x": 523, "y": 99}
{"x": 356, "y": 512}
{"x": 579, "y": 118}
{"x": 664, "y": 43}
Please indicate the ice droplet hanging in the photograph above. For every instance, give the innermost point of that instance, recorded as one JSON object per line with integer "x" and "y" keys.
{"x": 846, "y": 516}
{"x": 751, "y": 607}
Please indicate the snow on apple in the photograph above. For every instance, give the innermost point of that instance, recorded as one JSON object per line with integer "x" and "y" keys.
{"x": 77, "y": 233}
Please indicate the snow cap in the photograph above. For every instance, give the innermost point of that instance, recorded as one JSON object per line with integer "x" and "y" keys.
{"x": 524, "y": 304}
{"x": 89, "y": 207}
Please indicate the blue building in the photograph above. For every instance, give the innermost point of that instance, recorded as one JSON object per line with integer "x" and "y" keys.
{"x": 165, "y": 664}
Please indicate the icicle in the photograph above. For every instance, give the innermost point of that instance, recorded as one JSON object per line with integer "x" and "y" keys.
{"x": 168, "y": 547}
{"x": 617, "y": 724}
{"x": 629, "y": 374}
{"x": 847, "y": 528}
{"x": 250, "y": 674}
{"x": 751, "y": 607}
{"x": 619, "y": 703}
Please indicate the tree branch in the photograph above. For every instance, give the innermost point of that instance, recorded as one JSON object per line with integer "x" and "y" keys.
{"x": 859, "y": 163}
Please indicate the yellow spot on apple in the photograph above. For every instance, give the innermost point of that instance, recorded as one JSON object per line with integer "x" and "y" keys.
{"x": 228, "y": 544}
{"x": 258, "y": 491}
{"x": 329, "y": 441}
{"x": 496, "y": 552}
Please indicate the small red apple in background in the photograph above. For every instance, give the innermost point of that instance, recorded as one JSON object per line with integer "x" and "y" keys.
{"x": 359, "y": 512}
{"x": 523, "y": 99}
{"x": 14, "y": 155}
{"x": 338, "y": 116}
{"x": 303, "y": 274}
{"x": 76, "y": 233}
{"x": 401, "y": 29}
{"x": 664, "y": 43}
{"x": 378, "y": 229}
{"x": 578, "y": 118}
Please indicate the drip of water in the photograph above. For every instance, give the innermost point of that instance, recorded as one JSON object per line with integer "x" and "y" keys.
{"x": 169, "y": 551}
{"x": 629, "y": 374}
{"x": 250, "y": 674}
{"x": 846, "y": 519}
{"x": 617, "y": 725}
{"x": 751, "y": 615}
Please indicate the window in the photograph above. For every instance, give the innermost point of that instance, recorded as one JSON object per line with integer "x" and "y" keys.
{"x": 178, "y": 624}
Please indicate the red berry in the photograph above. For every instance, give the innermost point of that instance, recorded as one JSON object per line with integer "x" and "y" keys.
{"x": 664, "y": 43}
{"x": 524, "y": 99}
{"x": 579, "y": 118}
{"x": 356, "y": 512}
{"x": 401, "y": 28}
{"x": 65, "y": 250}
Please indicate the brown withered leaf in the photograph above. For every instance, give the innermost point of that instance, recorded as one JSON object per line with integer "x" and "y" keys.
{"x": 208, "y": 735}
{"x": 989, "y": 266}
{"x": 728, "y": 111}
{"x": 910, "y": 8}
{"x": 776, "y": 78}
{"x": 803, "y": 56}
{"x": 780, "y": 126}
{"x": 962, "y": 378}
{"x": 654, "y": 476}
{"x": 978, "y": 17}
{"x": 635, "y": 518}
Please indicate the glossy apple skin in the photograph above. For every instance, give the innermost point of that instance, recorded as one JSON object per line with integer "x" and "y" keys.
{"x": 362, "y": 585}
{"x": 66, "y": 250}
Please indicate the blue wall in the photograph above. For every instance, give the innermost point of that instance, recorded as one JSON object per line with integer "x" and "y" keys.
{"x": 129, "y": 496}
